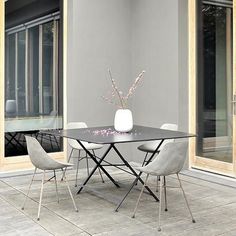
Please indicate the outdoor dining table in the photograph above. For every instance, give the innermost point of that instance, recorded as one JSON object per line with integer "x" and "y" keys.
{"x": 108, "y": 135}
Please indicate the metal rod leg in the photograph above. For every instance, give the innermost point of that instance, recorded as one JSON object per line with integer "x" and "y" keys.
{"x": 64, "y": 171}
{"x": 86, "y": 157}
{"x": 77, "y": 170}
{"x": 23, "y": 207}
{"x": 136, "y": 207}
{"x": 55, "y": 178}
{"x": 193, "y": 220}
{"x": 72, "y": 198}
{"x": 99, "y": 168}
{"x": 134, "y": 172}
{"x": 145, "y": 159}
{"x": 165, "y": 194}
{"x": 157, "y": 183}
{"x": 41, "y": 194}
{"x": 98, "y": 164}
{"x": 127, "y": 193}
{"x": 101, "y": 175}
{"x": 160, "y": 203}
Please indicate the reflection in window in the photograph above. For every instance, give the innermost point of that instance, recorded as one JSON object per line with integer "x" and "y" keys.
{"x": 33, "y": 70}
{"x": 20, "y": 75}
{"x": 32, "y": 86}
{"x": 214, "y": 107}
{"x": 47, "y": 67}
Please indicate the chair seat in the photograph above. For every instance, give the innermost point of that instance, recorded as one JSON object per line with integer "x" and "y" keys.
{"x": 57, "y": 165}
{"x": 41, "y": 160}
{"x": 139, "y": 167}
{"x": 149, "y": 146}
{"x": 88, "y": 146}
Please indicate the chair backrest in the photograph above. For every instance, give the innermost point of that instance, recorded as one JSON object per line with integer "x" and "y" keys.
{"x": 37, "y": 154}
{"x": 168, "y": 126}
{"x": 10, "y": 107}
{"x": 170, "y": 159}
{"x": 75, "y": 125}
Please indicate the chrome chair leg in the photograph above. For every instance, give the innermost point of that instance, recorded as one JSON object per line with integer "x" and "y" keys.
{"x": 64, "y": 171}
{"x": 77, "y": 170}
{"x": 160, "y": 203}
{"x": 55, "y": 178}
{"x": 41, "y": 195}
{"x": 100, "y": 173}
{"x": 158, "y": 178}
{"x": 86, "y": 157}
{"x": 23, "y": 207}
{"x": 72, "y": 198}
{"x": 193, "y": 220}
{"x": 136, "y": 207}
{"x": 165, "y": 194}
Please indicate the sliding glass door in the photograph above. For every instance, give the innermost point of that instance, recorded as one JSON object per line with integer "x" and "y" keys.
{"x": 214, "y": 96}
{"x": 32, "y": 81}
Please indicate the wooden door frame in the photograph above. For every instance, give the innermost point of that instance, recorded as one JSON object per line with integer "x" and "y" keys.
{"x": 23, "y": 162}
{"x": 197, "y": 161}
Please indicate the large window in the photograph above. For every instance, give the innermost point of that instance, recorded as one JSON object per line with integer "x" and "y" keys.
{"x": 214, "y": 80}
{"x": 32, "y": 84}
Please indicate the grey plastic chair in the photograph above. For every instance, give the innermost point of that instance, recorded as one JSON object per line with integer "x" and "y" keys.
{"x": 150, "y": 147}
{"x": 41, "y": 160}
{"x": 170, "y": 161}
{"x": 76, "y": 146}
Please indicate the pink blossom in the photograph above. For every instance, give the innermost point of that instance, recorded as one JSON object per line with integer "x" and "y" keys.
{"x": 122, "y": 100}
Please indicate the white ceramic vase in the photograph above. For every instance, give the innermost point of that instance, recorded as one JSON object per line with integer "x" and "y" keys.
{"x": 123, "y": 121}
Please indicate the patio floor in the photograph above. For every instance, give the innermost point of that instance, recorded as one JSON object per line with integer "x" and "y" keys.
{"x": 213, "y": 206}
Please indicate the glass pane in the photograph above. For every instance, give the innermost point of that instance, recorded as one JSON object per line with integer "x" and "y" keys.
{"x": 33, "y": 71}
{"x": 47, "y": 67}
{"x": 30, "y": 78}
{"x": 10, "y": 68}
{"x": 214, "y": 114}
{"x": 21, "y": 108}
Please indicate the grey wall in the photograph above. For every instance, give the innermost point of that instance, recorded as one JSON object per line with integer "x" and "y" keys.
{"x": 100, "y": 31}
{"x": 183, "y": 65}
{"x": 155, "y": 48}
{"x": 128, "y": 36}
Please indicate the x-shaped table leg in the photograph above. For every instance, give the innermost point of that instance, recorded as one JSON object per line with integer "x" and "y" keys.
{"x": 98, "y": 164}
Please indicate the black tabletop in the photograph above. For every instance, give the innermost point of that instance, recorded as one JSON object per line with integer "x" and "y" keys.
{"x": 107, "y": 134}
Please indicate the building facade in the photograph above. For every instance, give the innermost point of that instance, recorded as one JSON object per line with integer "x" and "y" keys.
{"x": 54, "y": 66}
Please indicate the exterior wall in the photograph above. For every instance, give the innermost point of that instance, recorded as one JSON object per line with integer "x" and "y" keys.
{"x": 183, "y": 100}
{"x": 183, "y": 119}
{"x": 155, "y": 49}
{"x": 128, "y": 36}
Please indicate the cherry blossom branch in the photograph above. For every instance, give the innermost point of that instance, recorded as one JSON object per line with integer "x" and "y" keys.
{"x": 119, "y": 93}
{"x": 122, "y": 100}
{"x": 134, "y": 85}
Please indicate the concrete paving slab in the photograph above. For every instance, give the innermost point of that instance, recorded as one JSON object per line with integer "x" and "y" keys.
{"x": 213, "y": 206}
